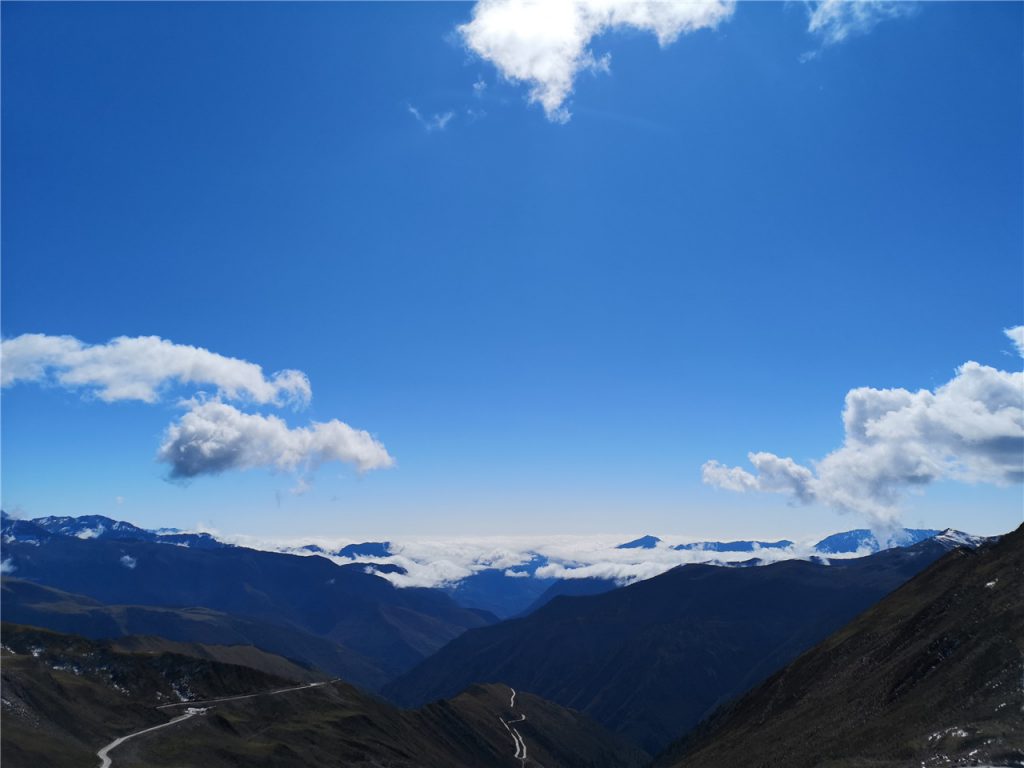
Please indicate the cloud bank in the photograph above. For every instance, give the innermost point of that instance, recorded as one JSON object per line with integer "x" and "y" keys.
{"x": 440, "y": 562}
{"x": 546, "y": 43}
{"x": 970, "y": 429}
{"x": 138, "y": 368}
{"x": 214, "y": 437}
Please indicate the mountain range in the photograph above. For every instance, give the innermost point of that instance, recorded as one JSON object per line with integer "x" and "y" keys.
{"x": 376, "y": 630}
{"x": 684, "y": 665}
{"x": 650, "y": 660}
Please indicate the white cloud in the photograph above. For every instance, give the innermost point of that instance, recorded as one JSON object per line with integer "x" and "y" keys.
{"x": 546, "y": 43}
{"x": 970, "y": 429}
{"x": 436, "y": 122}
{"x": 836, "y": 20}
{"x": 128, "y": 562}
{"x": 1016, "y": 335}
{"x": 213, "y": 437}
{"x": 7, "y": 566}
{"x": 137, "y": 368}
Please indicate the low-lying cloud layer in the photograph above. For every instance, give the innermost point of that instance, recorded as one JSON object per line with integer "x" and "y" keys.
{"x": 970, "y": 429}
{"x": 441, "y": 562}
{"x": 546, "y": 43}
{"x": 212, "y": 436}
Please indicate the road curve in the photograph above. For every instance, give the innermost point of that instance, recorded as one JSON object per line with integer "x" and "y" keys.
{"x": 245, "y": 696}
{"x": 191, "y": 711}
{"x": 104, "y": 754}
{"x": 517, "y": 738}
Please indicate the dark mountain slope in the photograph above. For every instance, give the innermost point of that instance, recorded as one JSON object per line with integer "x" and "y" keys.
{"x": 241, "y": 655}
{"x": 504, "y": 596}
{"x": 64, "y": 696}
{"x": 651, "y": 659}
{"x": 931, "y": 676}
{"x": 394, "y": 628}
{"x": 339, "y": 726}
{"x": 27, "y": 603}
{"x": 571, "y": 588}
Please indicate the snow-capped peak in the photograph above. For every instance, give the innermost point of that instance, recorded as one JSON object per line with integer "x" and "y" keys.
{"x": 952, "y": 538}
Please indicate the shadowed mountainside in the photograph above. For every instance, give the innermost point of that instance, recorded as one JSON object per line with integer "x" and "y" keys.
{"x": 931, "y": 676}
{"x": 339, "y": 726}
{"x": 33, "y": 604}
{"x": 65, "y": 697}
{"x": 391, "y": 628}
{"x": 652, "y": 659}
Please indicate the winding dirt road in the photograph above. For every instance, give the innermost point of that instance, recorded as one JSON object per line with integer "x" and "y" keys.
{"x": 517, "y": 738}
{"x": 191, "y": 710}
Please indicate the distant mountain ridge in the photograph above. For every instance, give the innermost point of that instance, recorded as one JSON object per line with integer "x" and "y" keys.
{"x": 861, "y": 539}
{"x": 100, "y": 527}
{"x": 503, "y": 592}
{"x": 734, "y": 546}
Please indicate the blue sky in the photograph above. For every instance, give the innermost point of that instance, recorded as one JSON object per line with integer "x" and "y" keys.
{"x": 551, "y": 326}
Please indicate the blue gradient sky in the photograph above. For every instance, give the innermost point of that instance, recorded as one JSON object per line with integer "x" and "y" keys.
{"x": 551, "y": 327}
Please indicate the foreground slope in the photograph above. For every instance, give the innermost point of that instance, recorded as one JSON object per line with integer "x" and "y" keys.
{"x": 65, "y": 698}
{"x": 652, "y": 659}
{"x": 337, "y": 725}
{"x": 931, "y": 676}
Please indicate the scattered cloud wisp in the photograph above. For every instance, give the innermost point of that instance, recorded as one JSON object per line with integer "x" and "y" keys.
{"x": 836, "y": 20}
{"x": 437, "y": 122}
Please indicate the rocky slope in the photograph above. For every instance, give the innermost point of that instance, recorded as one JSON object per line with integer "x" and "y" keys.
{"x": 931, "y": 676}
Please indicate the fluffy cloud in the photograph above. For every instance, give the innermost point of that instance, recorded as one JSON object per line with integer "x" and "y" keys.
{"x": 546, "y": 43}
{"x": 836, "y": 20}
{"x": 970, "y": 429}
{"x": 129, "y": 562}
{"x": 128, "y": 368}
{"x": 7, "y": 566}
{"x": 213, "y": 437}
